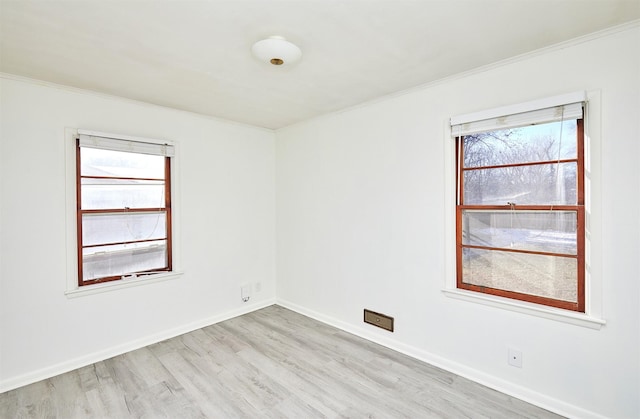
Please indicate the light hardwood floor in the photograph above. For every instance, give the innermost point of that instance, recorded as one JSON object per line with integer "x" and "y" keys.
{"x": 271, "y": 363}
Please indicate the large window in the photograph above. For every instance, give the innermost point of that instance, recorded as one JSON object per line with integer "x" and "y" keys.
{"x": 123, "y": 208}
{"x": 520, "y": 215}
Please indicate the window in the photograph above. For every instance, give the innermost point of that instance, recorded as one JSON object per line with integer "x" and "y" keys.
{"x": 520, "y": 213}
{"x": 123, "y": 202}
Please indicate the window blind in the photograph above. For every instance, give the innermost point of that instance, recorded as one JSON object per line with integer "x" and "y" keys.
{"x": 126, "y": 144}
{"x": 557, "y": 108}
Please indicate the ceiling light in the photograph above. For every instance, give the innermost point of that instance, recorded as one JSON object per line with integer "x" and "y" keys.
{"x": 276, "y": 50}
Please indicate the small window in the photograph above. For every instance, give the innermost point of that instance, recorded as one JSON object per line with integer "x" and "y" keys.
{"x": 123, "y": 208}
{"x": 520, "y": 214}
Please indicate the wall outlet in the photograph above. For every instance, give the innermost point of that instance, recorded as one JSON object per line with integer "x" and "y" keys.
{"x": 245, "y": 292}
{"x": 258, "y": 287}
{"x": 514, "y": 357}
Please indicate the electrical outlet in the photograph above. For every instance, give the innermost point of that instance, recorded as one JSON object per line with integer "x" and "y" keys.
{"x": 245, "y": 292}
{"x": 514, "y": 357}
{"x": 258, "y": 287}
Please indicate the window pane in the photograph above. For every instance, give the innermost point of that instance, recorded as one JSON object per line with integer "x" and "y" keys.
{"x": 544, "y": 276}
{"x": 121, "y": 227}
{"x": 544, "y": 142}
{"x": 105, "y": 261}
{"x": 538, "y": 184}
{"x": 113, "y": 193}
{"x": 97, "y": 162}
{"x": 542, "y": 231}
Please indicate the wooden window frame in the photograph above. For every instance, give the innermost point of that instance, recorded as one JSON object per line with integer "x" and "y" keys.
{"x": 80, "y": 212}
{"x": 579, "y": 209}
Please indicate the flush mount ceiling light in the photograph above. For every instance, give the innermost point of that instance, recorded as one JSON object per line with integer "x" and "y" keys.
{"x": 276, "y": 50}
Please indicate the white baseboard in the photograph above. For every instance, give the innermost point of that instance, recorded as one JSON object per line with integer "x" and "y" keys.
{"x": 72, "y": 364}
{"x": 503, "y": 386}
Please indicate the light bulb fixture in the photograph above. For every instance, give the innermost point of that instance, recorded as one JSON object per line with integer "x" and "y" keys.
{"x": 276, "y": 50}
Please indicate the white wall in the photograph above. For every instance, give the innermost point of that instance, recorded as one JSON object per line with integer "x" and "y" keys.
{"x": 360, "y": 224}
{"x": 225, "y": 203}
{"x": 360, "y": 210}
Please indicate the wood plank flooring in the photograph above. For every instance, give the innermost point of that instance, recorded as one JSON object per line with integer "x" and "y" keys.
{"x": 272, "y": 363}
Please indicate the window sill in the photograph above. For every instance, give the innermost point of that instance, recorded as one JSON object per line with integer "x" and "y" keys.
{"x": 125, "y": 283}
{"x": 578, "y": 319}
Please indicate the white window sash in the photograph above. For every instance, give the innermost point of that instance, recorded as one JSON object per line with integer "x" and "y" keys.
{"x": 557, "y": 108}
{"x": 127, "y": 144}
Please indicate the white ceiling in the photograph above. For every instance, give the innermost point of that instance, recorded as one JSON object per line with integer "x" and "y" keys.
{"x": 195, "y": 55}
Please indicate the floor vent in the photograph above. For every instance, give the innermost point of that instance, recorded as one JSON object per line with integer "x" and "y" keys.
{"x": 381, "y": 320}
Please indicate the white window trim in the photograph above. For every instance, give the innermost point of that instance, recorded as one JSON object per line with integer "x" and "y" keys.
{"x": 72, "y": 289}
{"x": 594, "y": 316}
